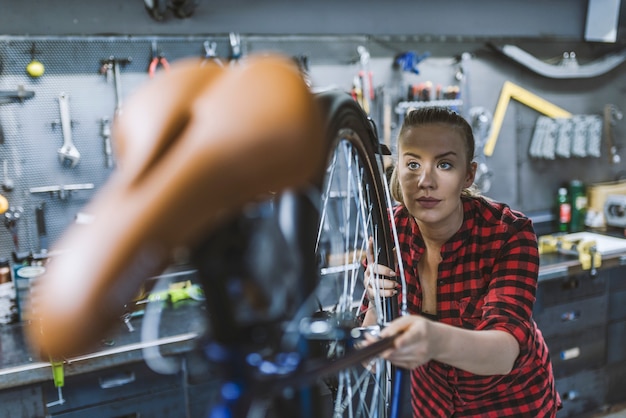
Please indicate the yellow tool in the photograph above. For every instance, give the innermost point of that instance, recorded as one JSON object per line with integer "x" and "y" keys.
{"x": 586, "y": 251}
{"x": 513, "y": 91}
{"x": 58, "y": 376}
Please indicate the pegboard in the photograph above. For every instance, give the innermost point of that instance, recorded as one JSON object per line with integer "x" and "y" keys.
{"x": 32, "y": 128}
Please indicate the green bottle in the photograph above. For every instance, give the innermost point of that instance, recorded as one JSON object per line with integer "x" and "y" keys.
{"x": 578, "y": 199}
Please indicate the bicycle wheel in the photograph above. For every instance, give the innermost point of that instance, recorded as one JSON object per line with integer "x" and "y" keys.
{"x": 283, "y": 283}
{"x": 353, "y": 209}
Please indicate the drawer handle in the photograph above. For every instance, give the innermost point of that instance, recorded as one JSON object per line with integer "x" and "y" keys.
{"x": 570, "y": 316}
{"x": 570, "y": 284}
{"x": 116, "y": 381}
{"x": 570, "y": 353}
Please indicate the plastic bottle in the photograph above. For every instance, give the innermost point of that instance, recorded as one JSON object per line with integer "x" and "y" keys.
{"x": 8, "y": 308}
{"x": 578, "y": 199}
{"x": 564, "y": 210}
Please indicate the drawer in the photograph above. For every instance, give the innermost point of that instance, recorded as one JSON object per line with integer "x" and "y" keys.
{"x": 166, "y": 404}
{"x": 108, "y": 385}
{"x": 616, "y": 375}
{"x": 572, "y": 317}
{"x": 582, "y": 392}
{"x": 617, "y": 305}
{"x": 616, "y": 343}
{"x": 573, "y": 353}
{"x": 617, "y": 280}
{"x": 23, "y": 402}
{"x": 570, "y": 288}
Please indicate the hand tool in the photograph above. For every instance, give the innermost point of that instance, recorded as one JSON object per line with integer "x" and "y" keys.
{"x": 40, "y": 217}
{"x": 1, "y": 134}
{"x": 513, "y": 91}
{"x": 21, "y": 94}
{"x": 157, "y": 59}
{"x": 480, "y": 120}
{"x": 113, "y": 64}
{"x": 7, "y": 183}
{"x": 58, "y": 376}
{"x": 11, "y": 218}
{"x": 611, "y": 115}
{"x": 62, "y": 190}
{"x": 235, "y": 46}
{"x": 568, "y": 67}
{"x": 210, "y": 52}
{"x": 105, "y": 131}
{"x": 68, "y": 153}
{"x": 366, "y": 73}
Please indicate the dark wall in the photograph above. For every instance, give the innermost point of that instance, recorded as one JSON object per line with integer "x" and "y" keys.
{"x": 72, "y": 37}
{"x": 491, "y": 18}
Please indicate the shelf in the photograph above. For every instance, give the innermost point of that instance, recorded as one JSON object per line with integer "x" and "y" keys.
{"x": 403, "y": 107}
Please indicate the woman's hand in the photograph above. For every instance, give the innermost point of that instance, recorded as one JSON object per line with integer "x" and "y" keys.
{"x": 375, "y": 279}
{"x": 413, "y": 344}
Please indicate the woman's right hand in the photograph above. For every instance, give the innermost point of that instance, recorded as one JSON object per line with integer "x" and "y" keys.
{"x": 377, "y": 279}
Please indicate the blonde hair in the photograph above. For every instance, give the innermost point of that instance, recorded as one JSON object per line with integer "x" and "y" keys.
{"x": 434, "y": 115}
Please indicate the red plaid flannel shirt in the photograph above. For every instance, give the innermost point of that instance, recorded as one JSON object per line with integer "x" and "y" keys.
{"x": 487, "y": 280}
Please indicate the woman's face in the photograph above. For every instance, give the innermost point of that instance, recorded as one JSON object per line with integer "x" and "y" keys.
{"x": 433, "y": 170}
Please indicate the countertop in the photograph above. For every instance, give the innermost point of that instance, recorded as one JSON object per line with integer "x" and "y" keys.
{"x": 180, "y": 326}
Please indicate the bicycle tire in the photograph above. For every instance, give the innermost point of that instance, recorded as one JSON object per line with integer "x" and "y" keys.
{"x": 292, "y": 223}
{"x": 348, "y": 126}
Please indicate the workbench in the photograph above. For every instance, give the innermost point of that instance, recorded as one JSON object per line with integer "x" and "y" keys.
{"x": 114, "y": 379}
{"x": 581, "y": 315}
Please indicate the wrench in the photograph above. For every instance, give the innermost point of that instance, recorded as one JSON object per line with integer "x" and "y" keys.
{"x": 68, "y": 153}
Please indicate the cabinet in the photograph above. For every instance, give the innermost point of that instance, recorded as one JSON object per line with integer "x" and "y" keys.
{"x": 130, "y": 390}
{"x": 583, "y": 320}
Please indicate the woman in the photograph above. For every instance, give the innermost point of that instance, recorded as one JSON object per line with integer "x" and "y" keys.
{"x": 471, "y": 268}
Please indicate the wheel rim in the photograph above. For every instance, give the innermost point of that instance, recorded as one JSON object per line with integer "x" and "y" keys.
{"x": 348, "y": 217}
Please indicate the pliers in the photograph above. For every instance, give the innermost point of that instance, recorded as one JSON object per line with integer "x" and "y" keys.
{"x": 157, "y": 58}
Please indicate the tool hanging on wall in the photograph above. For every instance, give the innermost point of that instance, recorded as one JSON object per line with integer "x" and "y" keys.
{"x": 42, "y": 231}
{"x": 21, "y": 94}
{"x": 408, "y": 61}
{"x": 34, "y": 68}
{"x": 235, "y": 47}
{"x": 68, "y": 153}
{"x": 7, "y": 183}
{"x": 105, "y": 132}
{"x": 480, "y": 120}
{"x": 513, "y": 91}
{"x": 210, "y": 53}
{"x": 112, "y": 65}
{"x": 568, "y": 67}
{"x": 63, "y": 191}
{"x": 11, "y": 218}
{"x": 158, "y": 60}
{"x": 578, "y": 136}
{"x": 611, "y": 115}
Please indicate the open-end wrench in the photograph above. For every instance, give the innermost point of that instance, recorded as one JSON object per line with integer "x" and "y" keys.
{"x": 68, "y": 153}
{"x": 112, "y": 64}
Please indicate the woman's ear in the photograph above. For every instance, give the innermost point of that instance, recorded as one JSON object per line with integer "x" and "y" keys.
{"x": 471, "y": 174}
